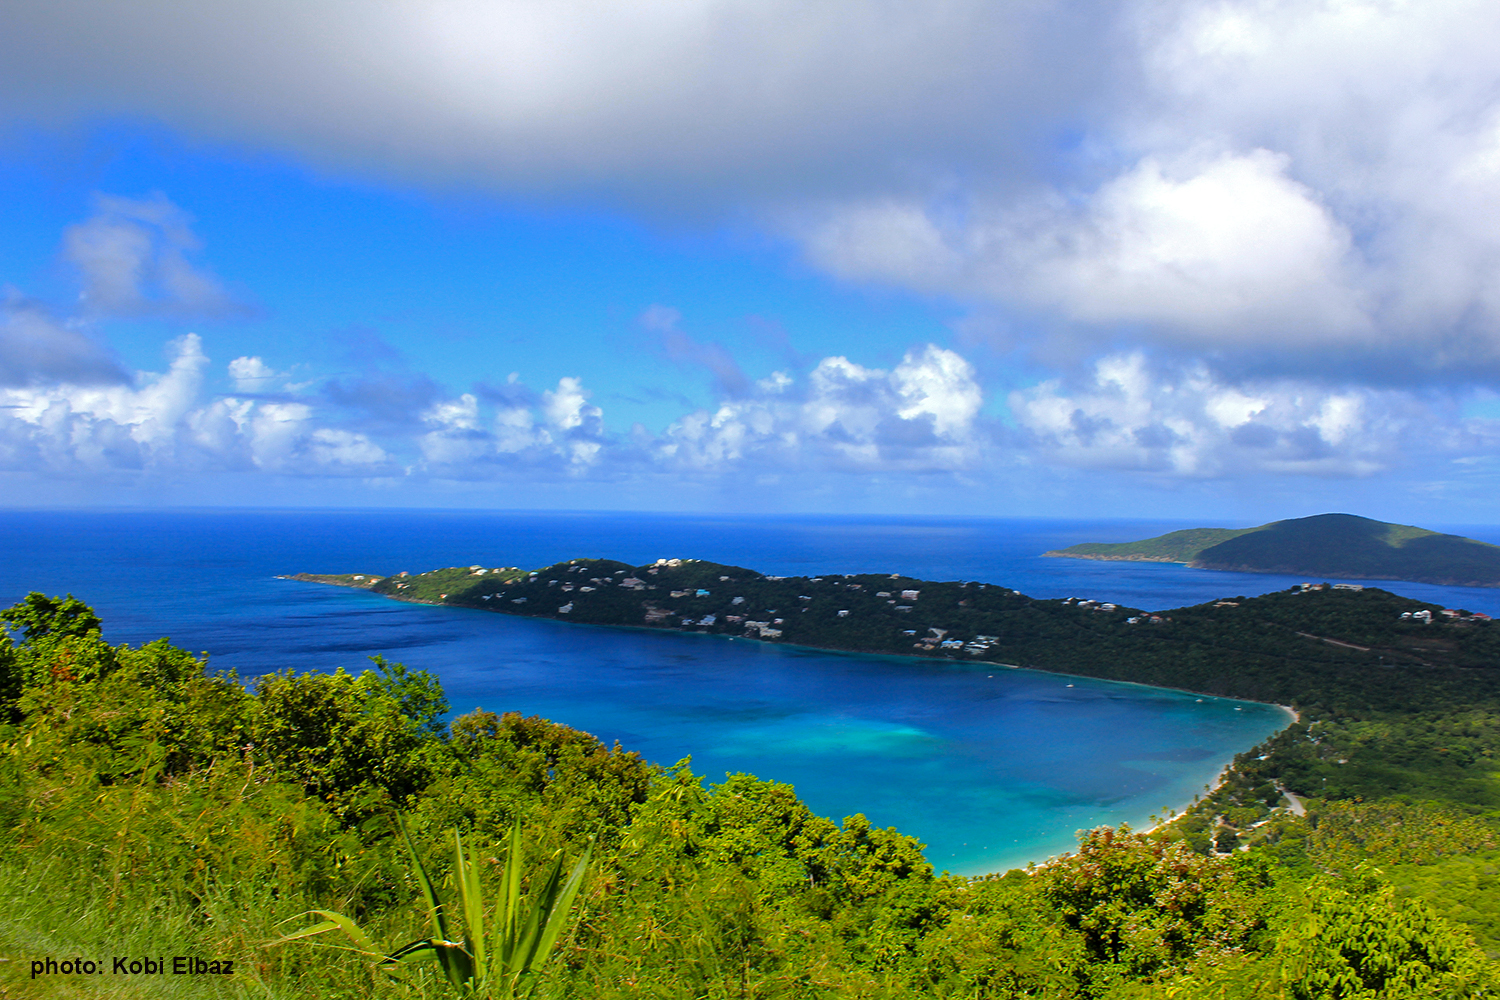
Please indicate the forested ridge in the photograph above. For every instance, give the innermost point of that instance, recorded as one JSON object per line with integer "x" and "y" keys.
{"x": 151, "y": 807}
{"x": 1314, "y": 648}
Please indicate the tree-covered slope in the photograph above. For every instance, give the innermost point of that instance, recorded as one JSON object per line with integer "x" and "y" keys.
{"x": 1271, "y": 648}
{"x": 1325, "y": 545}
{"x": 1175, "y": 546}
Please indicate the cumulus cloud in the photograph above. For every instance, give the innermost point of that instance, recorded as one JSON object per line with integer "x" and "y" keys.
{"x": 68, "y": 408}
{"x": 1127, "y": 415}
{"x": 1218, "y": 251}
{"x": 1210, "y": 250}
{"x": 252, "y": 374}
{"x": 558, "y": 430}
{"x": 1388, "y": 112}
{"x": 164, "y": 424}
{"x": 1268, "y": 185}
{"x": 67, "y": 412}
{"x": 132, "y": 260}
{"x": 921, "y": 416}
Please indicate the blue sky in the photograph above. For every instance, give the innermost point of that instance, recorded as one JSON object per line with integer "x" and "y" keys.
{"x": 1228, "y": 261}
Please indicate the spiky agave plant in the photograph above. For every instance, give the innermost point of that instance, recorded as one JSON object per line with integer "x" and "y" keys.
{"x": 497, "y": 958}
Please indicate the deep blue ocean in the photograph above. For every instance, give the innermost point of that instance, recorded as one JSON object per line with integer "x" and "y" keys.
{"x": 991, "y": 768}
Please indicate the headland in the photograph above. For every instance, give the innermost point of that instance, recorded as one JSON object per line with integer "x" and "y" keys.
{"x": 1336, "y": 546}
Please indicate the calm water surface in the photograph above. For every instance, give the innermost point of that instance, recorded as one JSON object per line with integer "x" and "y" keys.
{"x": 990, "y": 767}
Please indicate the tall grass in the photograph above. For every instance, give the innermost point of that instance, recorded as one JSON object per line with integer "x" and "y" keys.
{"x": 204, "y": 866}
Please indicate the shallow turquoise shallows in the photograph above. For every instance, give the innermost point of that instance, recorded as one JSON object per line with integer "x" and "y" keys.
{"x": 990, "y": 767}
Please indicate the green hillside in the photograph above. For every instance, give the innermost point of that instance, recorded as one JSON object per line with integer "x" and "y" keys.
{"x": 158, "y": 817}
{"x": 1177, "y": 546}
{"x": 1326, "y": 545}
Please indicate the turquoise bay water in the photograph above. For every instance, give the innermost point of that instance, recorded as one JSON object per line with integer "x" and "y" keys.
{"x": 990, "y": 767}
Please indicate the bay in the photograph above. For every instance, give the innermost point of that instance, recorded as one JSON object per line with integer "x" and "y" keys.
{"x": 991, "y": 768}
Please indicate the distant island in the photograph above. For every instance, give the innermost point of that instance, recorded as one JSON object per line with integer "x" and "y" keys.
{"x": 1341, "y": 546}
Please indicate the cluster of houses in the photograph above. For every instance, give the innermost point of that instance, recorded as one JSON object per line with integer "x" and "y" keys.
{"x": 1452, "y": 614}
{"x": 481, "y": 571}
{"x": 1096, "y": 605}
{"x": 939, "y": 640}
{"x": 764, "y": 629}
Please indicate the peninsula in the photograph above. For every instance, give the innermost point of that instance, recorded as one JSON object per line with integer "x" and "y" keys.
{"x": 1280, "y": 647}
{"x": 1338, "y": 546}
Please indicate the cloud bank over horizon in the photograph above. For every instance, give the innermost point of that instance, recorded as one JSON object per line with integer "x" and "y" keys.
{"x": 1182, "y": 241}
{"x": 69, "y": 410}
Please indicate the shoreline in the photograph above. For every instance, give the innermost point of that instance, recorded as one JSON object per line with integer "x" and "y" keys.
{"x": 1292, "y": 715}
{"x": 1060, "y": 554}
{"x": 1224, "y": 772}
{"x": 1163, "y": 822}
{"x": 1282, "y": 571}
{"x": 303, "y": 578}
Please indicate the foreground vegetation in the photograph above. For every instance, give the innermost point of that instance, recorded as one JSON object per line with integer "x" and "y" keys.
{"x": 151, "y": 810}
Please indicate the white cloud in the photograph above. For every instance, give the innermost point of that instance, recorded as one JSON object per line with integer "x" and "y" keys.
{"x": 163, "y": 425}
{"x": 1387, "y": 110}
{"x": 1184, "y": 422}
{"x": 338, "y": 449}
{"x": 67, "y": 426}
{"x": 567, "y": 407}
{"x": 1274, "y": 185}
{"x": 921, "y": 416}
{"x": 1211, "y": 251}
{"x": 251, "y": 374}
{"x": 1229, "y": 249}
{"x": 564, "y": 432}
